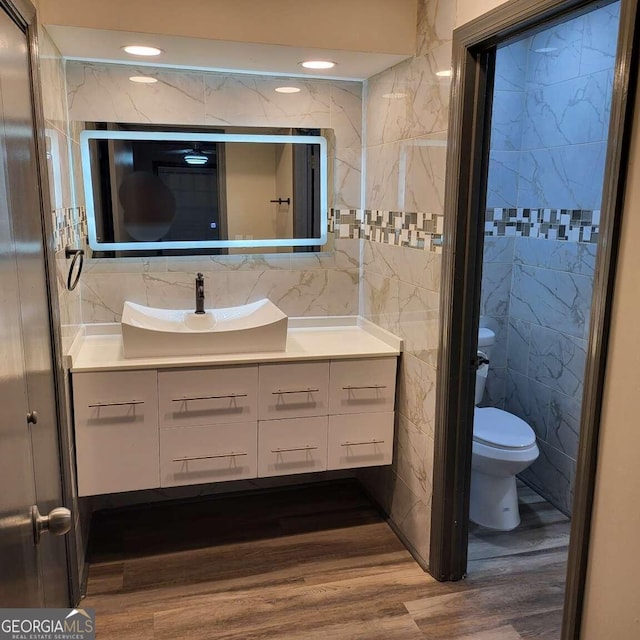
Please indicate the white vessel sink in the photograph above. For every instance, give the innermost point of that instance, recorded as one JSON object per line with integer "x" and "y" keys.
{"x": 147, "y": 332}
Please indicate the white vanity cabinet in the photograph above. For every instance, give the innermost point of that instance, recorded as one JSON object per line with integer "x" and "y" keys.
{"x": 186, "y": 423}
{"x": 362, "y": 386}
{"x": 116, "y": 431}
{"x": 193, "y": 455}
{"x": 208, "y": 424}
{"x": 360, "y": 440}
{"x": 293, "y": 445}
{"x": 294, "y": 390}
{"x": 195, "y": 397}
{"x": 353, "y": 401}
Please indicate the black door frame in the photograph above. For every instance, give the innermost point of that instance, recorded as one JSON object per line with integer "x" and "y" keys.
{"x": 467, "y": 165}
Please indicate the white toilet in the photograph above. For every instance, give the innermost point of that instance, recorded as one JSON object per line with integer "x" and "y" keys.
{"x": 503, "y": 445}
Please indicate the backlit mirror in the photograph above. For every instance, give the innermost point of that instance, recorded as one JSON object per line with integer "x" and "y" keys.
{"x": 175, "y": 192}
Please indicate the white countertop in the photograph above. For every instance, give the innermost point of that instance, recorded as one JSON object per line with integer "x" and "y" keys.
{"x": 99, "y": 347}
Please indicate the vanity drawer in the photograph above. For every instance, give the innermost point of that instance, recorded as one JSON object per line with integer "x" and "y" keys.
{"x": 195, "y": 397}
{"x": 194, "y": 455}
{"x": 116, "y": 431}
{"x": 293, "y": 390}
{"x": 292, "y": 446}
{"x": 362, "y": 386}
{"x": 360, "y": 440}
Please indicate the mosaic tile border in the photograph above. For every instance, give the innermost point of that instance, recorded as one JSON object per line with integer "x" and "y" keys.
{"x": 417, "y": 230}
{"x": 69, "y": 227}
{"x": 570, "y": 225}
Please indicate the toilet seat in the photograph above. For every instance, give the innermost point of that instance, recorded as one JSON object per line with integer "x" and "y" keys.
{"x": 500, "y": 429}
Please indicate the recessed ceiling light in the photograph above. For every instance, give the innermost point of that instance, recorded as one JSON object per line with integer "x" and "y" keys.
{"x": 545, "y": 49}
{"x": 394, "y": 95}
{"x": 141, "y": 50}
{"x": 288, "y": 89}
{"x": 143, "y": 79}
{"x": 446, "y": 73}
{"x": 318, "y": 64}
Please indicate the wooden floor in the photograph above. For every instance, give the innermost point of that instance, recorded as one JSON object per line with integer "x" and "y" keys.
{"x": 315, "y": 563}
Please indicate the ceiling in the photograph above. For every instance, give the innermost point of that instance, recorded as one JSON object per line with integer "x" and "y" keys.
{"x": 102, "y": 45}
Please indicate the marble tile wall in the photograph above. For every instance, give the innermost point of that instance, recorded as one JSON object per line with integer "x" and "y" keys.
{"x": 551, "y": 115}
{"x": 300, "y": 283}
{"x": 549, "y": 134}
{"x": 536, "y": 296}
{"x": 494, "y": 311}
{"x": 66, "y": 210}
{"x": 406, "y": 117}
{"x": 551, "y": 293}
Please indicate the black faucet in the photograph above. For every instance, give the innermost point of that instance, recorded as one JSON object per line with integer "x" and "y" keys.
{"x": 200, "y": 293}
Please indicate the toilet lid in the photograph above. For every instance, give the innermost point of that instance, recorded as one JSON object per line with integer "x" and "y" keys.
{"x": 501, "y": 429}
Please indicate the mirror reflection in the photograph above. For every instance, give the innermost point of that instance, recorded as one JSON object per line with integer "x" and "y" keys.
{"x": 153, "y": 192}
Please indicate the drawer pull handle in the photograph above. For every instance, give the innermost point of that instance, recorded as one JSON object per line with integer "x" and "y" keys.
{"x": 357, "y": 444}
{"x": 115, "y": 404}
{"x": 307, "y": 448}
{"x": 228, "y": 395}
{"x": 370, "y": 386}
{"x": 221, "y": 455}
{"x": 281, "y": 392}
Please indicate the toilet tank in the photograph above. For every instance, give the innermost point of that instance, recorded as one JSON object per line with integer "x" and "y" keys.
{"x": 486, "y": 340}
